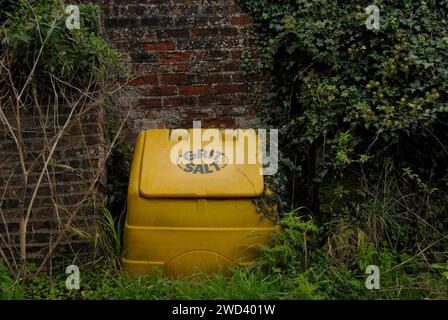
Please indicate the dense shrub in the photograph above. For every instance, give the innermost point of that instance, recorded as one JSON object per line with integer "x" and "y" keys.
{"x": 360, "y": 95}
{"x": 363, "y": 119}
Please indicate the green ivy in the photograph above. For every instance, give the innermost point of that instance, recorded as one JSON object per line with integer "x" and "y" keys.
{"x": 358, "y": 95}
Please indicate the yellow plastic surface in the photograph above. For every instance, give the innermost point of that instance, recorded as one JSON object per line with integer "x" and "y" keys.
{"x": 182, "y": 225}
{"x": 160, "y": 178}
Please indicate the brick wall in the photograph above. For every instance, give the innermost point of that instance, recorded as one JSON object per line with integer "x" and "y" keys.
{"x": 77, "y": 158}
{"x": 189, "y": 57}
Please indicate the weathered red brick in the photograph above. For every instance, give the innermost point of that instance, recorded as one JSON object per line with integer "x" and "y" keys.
{"x": 236, "y": 54}
{"x": 162, "y": 91}
{"x": 141, "y": 80}
{"x": 207, "y": 100}
{"x": 240, "y": 20}
{"x": 229, "y": 32}
{"x": 231, "y": 66}
{"x": 174, "y": 56}
{"x": 179, "y": 101}
{"x": 172, "y": 102}
{"x": 182, "y": 67}
{"x": 160, "y": 46}
{"x": 205, "y": 32}
{"x": 195, "y": 89}
{"x": 152, "y": 102}
{"x": 230, "y": 88}
{"x": 213, "y": 78}
{"x": 176, "y": 79}
{"x": 173, "y": 33}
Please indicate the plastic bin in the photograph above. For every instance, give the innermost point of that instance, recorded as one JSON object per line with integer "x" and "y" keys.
{"x": 185, "y": 219}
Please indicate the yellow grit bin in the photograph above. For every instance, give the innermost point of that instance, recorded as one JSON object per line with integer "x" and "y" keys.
{"x": 191, "y": 209}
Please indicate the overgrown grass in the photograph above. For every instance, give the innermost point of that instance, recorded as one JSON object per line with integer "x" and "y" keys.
{"x": 294, "y": 266}
{"x": 113, "y": 284}
{"x": 318, "y": 282}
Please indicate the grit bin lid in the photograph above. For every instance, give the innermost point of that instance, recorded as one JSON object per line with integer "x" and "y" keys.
{"x": 223, "y": 164}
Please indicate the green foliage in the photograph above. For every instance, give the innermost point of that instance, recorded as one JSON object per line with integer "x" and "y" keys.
{"x": 36, "y": 38}
{"x": 356, "y": 95}
{"x": 8, "y": 286}
{"x": 363, "y": 128}
{"x": 443, "y": 269}
{"x": 108, "y": 236}
{"x": 108, "y": 283}
{"x": 302, "y": 262}
{"x": 7, "y": 6}
{"x": 291, "y": 247}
